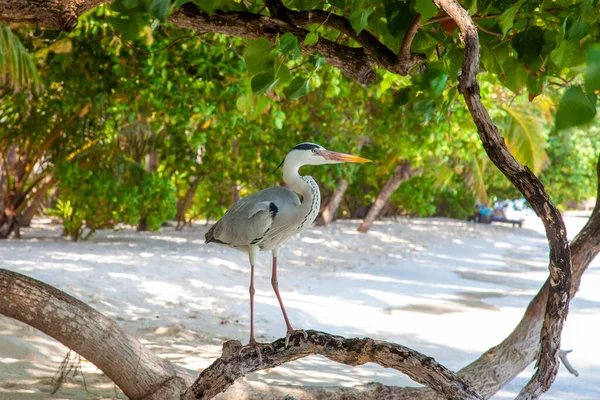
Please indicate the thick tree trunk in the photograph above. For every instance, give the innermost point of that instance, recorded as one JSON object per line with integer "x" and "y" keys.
{"x": 333, "y": 204}
{"x": 130, "y": 365}
{"x": 403, "y": 172}
{"x": 143, "y": 375}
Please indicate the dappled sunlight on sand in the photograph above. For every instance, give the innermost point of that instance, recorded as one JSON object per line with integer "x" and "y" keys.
{"x": 444, "y": 287}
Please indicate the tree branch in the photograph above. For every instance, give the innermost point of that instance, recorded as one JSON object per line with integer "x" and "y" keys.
{"x": 354, "y": 62}
{"x": 133, "y": 367}
{"x": 419, "y": 367}
{"x": 384, "y": 56}
{"x": 533, "y": 190}
{"x": 409, "y": 36}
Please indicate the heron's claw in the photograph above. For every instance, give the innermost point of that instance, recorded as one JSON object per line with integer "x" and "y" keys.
{"x": 254, "y": 345}
{"x": 293, "y": 332}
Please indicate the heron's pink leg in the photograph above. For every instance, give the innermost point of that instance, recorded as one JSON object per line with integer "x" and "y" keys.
{"x": 252, "y": 340}
{"x": 275, "y": 285}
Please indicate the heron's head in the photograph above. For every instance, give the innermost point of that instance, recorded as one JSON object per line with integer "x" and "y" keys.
{"x": 313, "y": 154}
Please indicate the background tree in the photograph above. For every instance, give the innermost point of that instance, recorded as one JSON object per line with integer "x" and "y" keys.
{"x": 293, "y": 41}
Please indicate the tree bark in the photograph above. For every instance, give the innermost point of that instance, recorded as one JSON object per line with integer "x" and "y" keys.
{"x": 503, "y": 362}
{"x": 523, "y": 179}
{"x": 403, "y": 172}
{"x": 36, "y": 202}
{"x": 333, "y": 204}
{"x": 420, "y": 368}
{"x": 356, "y": 63}
{"x": 143, "y": 375}
{"x": 131, "y": 366}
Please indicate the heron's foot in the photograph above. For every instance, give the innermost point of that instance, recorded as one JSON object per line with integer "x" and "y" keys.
{"x": 291, "y": 332}
{"x": 254, "y": 345}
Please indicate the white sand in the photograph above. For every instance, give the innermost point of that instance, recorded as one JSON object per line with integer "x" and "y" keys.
{"x": 447, "y": 288}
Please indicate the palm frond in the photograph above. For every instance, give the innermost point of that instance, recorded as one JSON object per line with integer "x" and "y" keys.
{"x": 525, "y": 137}
{"x": 477, "y": 181}
{"x": 17, "y": 67}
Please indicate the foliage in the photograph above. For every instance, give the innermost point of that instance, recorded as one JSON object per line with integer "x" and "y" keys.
{"x": 17, "y": 67}
{"x": 571, "y": 177}
{"x": 220, "y": 113}
{"x": 117, "y": 191}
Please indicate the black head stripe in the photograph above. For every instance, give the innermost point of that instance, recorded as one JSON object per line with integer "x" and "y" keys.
{"x": 307, "y": 146}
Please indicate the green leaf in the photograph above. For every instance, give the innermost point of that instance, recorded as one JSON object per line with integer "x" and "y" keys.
{"x": 341, "y": 4}
{"x": 515, "y": 75}
{"x": 359, "y": 19}
{"x": 208, "y": 6}
{"x": 434, "y": 80}
{"x": 535, "y": 86}
{"x": 398, "y": 16}
{"x": 574, "y": 109}
{"x": 592, "y": 77}
{"x": 258, "y": 56}
{"x": 129, "y": 28}
{"x": 307, "y": 4}
{"x": 529, "y": 45}
{"x": 426, "y": 8}
{"x": 297, "y": 88}
{"x": 473, "y": 7}
{"x": 262, "y": 103}
{"x": 160, "y": 9}
{"x": 525, "y": 137}
{"x": 263, "y": 82}
{"x": 311, "y": 39}
{"x": 244, "y": 103}
{"x": 507, "y": 18}
{"x": 566, "y": 54}
{"x": 283, "y": 74}
{"x": 289, "y": 43}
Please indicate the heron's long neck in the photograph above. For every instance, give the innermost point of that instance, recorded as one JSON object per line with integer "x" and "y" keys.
{"x": 304, "y": 185}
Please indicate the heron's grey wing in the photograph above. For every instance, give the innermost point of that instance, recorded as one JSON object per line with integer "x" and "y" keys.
{"x": 247, "y": 221}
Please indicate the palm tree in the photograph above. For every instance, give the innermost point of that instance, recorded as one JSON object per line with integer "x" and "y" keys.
{"x": 17, "y": 67}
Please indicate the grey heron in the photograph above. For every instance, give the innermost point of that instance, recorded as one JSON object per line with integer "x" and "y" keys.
{"x": 263, "y": 221}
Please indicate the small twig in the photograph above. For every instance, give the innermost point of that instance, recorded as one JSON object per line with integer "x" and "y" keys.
{"x": 448, "y": 18}
{"x": 409, "y": 36}
{"x": 482, "y": 29}
{"x": 563, "y": 358}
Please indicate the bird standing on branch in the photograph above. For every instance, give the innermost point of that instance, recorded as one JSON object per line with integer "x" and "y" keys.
{"x": 265, "y": 220}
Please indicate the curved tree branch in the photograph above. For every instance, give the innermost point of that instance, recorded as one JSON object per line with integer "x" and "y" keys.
{"x": 357, "y": 63}
{"x": 419, "y": 367}
{"x": 528, "y": 184}
{"x": 136, "y": 370}
{"x": 354, "y": 62}
{"x": 143, "y": 375}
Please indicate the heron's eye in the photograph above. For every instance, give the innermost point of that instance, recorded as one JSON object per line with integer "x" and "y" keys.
{"x": 314, "y": 150}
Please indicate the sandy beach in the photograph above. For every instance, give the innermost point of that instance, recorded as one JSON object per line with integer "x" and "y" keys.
{"x": 447, "y": 288}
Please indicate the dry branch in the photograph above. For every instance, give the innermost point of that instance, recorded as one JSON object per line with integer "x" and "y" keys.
{"x": 136, "y": 370}
{"x": 419, "y": 367}
{"x": 528, "y": 184}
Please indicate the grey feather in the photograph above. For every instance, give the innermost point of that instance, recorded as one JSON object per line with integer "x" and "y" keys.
{"x": 257, "y": 219}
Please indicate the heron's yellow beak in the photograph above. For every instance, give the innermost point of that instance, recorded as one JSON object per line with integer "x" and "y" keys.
{"x": 341, "y": 157}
